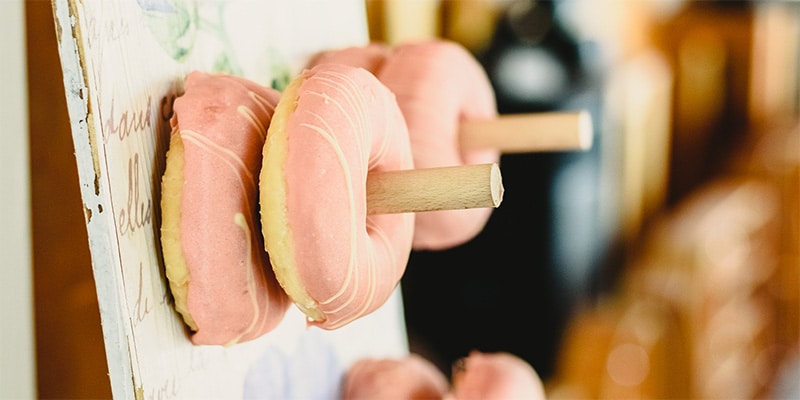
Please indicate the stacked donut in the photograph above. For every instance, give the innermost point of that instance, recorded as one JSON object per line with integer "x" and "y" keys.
{"x": 215, "y": 261}
{"x": 438, "y": 85}
{"x": 265, "y": 202}
{"x": 265, "y": 194}
{"x": 336, "y": 262}
{"x": 234, "y": 173}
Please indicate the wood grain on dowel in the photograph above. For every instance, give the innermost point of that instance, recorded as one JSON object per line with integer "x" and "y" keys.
{"x": 432, "y": 189}
{"x": 524, "y": 133}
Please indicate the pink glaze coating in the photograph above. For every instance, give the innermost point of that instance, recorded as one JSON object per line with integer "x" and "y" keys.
{"x": 438, "y": 85}
{"x": 495, "y": 376}
{"x": 411, "y": 377}
{"x": 340, "y": 124}
{"x": 370, "y": 57}
{"x": 233, "y": 295}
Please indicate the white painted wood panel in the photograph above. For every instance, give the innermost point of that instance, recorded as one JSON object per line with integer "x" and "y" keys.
{"x": 124, "y": 62}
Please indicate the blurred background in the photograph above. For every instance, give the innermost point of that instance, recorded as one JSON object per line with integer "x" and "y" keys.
{"x": 662, "y": 263}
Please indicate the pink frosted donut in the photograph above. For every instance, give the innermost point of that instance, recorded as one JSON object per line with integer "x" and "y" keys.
{"x": 333, "y": 125}
{"x": 495, "y": 376}
{"x": 218, "y": 272}
{"x": 438, "y": 85}
{"x": 411, "y": 377}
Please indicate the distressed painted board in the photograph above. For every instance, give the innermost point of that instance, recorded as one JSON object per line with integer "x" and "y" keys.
{"x": 123, "y": 64}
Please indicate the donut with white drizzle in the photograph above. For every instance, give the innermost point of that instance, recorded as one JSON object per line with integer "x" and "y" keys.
{"x": 333, "y": 125}
{"x": 219, "y": 274}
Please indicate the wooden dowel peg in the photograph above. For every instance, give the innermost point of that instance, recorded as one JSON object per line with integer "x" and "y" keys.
{"x": 432, "y": 189}
{"x": 526, "y": 133}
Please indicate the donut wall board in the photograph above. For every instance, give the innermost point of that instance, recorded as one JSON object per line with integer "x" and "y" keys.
{"x": 123, "y": 64}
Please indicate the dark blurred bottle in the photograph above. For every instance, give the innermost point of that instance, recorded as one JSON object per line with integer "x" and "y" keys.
{"x": 514, "y": 286}
{"x": 532, "y": 61}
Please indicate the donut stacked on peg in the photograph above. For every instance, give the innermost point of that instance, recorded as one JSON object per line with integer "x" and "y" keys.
{"x": 317, "y": 195}
{"x": 307, "y": 196}
{"x": 211, "y": 239}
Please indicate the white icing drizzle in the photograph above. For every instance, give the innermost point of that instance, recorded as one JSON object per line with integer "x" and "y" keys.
{"x": 351, "y": 97}
{"x": 326, "y": 133}
{"x": 229, "y": 157}
{"x": 239, "y": 169}
{"x": 349, "y": 90}
{"x": 250, "y": 117}
{"x": 265, "y": 105}
{"x": 240, "y": 221}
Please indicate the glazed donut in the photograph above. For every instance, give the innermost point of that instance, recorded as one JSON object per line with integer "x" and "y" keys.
{"x": 218, "y": 272}
{"x": 410, "y": 377}
{"x": 495, "y": 376}
{"x": 333, "y": 125}
{"x": 438, "y": 85}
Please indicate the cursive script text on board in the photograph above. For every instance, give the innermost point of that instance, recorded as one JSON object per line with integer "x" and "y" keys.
{"x": 144, "y": 304}
{"x": 137, "y": 211}
{"x": 121, "y": 125}
{"x": 140, "y": 124}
